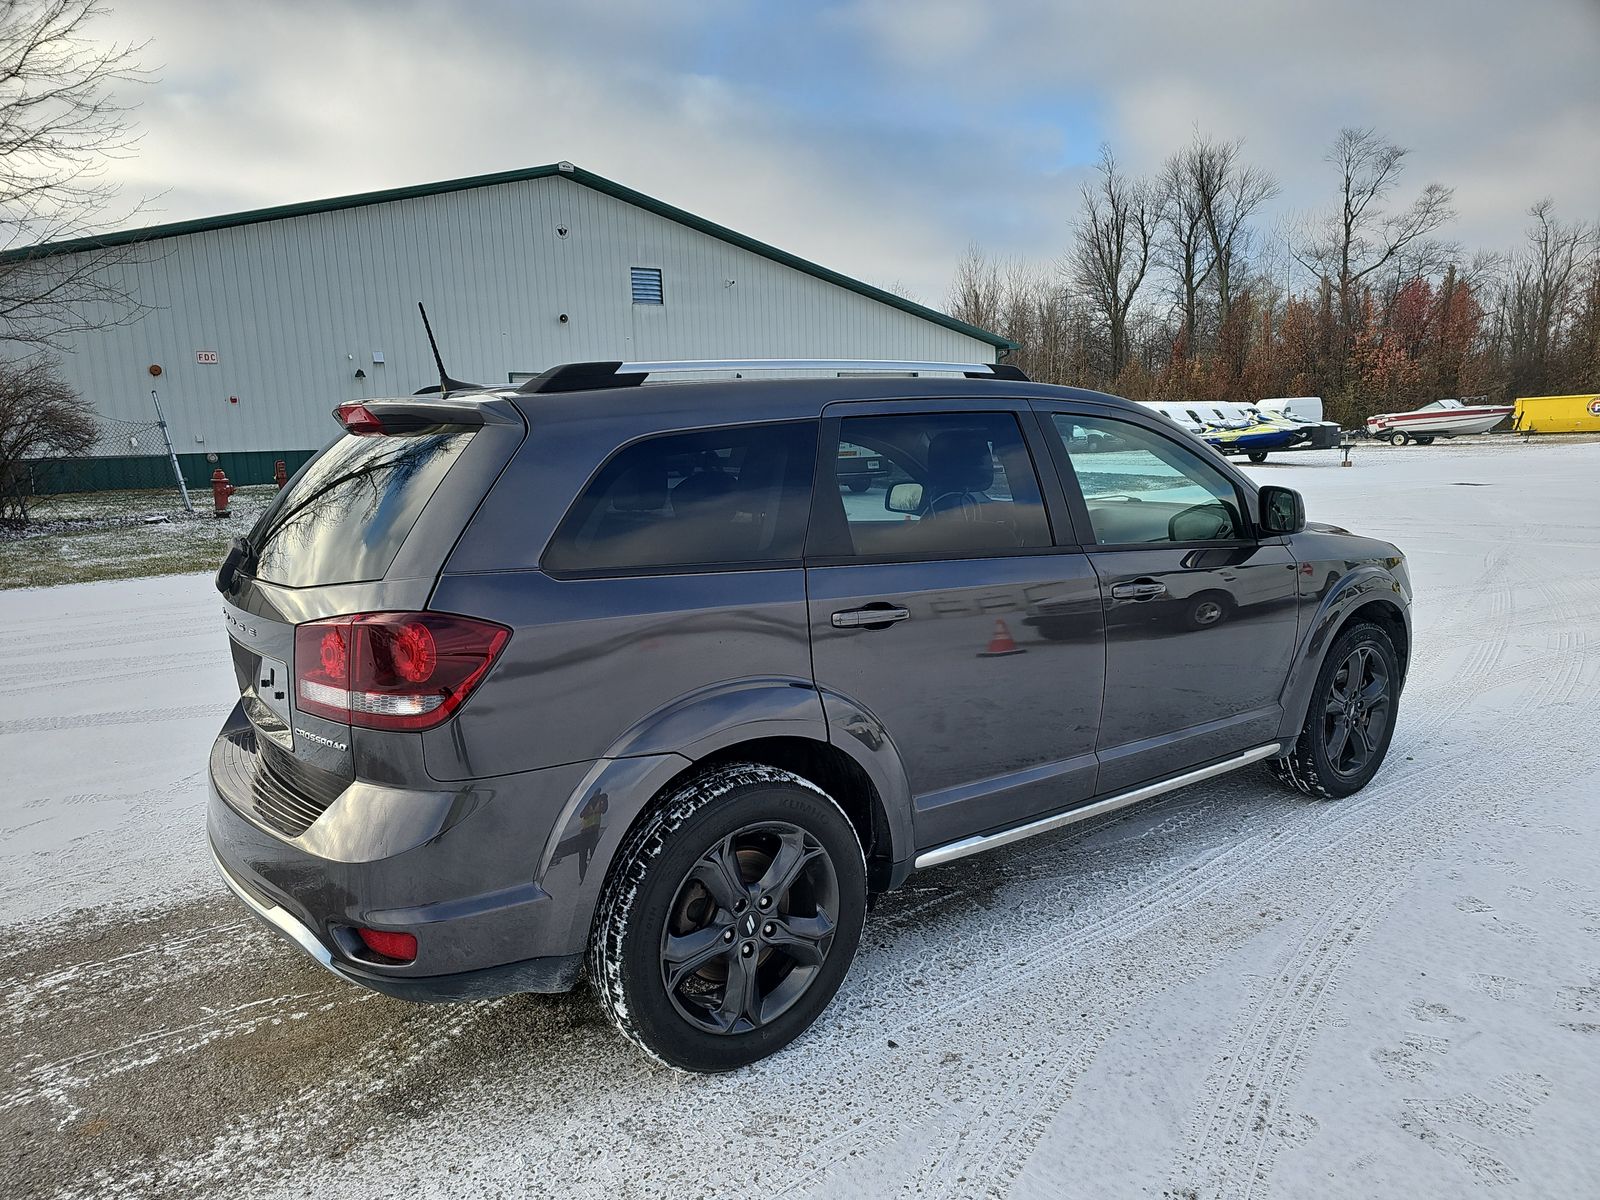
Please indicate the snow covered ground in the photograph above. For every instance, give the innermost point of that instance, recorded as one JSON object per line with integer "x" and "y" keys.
{"x": 1228, "y": 992}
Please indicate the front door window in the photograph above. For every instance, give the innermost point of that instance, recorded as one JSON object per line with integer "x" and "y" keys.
{"x": 1141, "y": 488}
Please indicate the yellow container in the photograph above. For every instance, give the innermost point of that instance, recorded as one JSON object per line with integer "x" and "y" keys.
{"x": 1557, "y": 414}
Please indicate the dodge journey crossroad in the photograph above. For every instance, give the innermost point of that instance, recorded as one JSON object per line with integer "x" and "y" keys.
{"x": 635, "y": 673}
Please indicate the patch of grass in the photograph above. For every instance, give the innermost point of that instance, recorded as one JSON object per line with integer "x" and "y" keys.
{"x": 88, "y": 536}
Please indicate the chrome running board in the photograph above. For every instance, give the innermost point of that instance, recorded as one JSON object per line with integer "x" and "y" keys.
{"x": 988, "y": 841}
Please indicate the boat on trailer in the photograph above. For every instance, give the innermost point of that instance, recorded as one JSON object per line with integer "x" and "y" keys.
{"x": 1441, "y": 419}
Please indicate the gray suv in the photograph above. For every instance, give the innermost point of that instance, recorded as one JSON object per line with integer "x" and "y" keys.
{"x": 638, "y": 683}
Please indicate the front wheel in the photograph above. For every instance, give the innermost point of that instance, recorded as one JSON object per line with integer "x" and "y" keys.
{"x": 1399, "y": 438}
{"x": 1351, "y": 717}
{"x": 1207, "y": 609}
{"x": 729, "y": 919}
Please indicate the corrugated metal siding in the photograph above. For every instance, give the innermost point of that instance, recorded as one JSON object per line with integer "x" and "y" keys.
{"x": 294, "y": 308}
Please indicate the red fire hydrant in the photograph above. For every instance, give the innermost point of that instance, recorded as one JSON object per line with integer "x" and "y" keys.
{"x": 221, "y": 489}
{"x": 280, "y": 473}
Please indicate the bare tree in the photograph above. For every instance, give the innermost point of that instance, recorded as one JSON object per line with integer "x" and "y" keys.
{"x": 1364, "y": 236}
{"x": 40, "y": 417}
{"x": 1543, "y": 291}
{"x": 977, "y": 291}
{"x": 1183, "y": 245}
{"x": 60, "y": 124}
{"x": 1227, "y": 193}
{"x": 1117, "y": 224}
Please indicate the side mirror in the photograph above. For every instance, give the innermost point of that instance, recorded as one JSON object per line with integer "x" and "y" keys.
{"x": 1282, "y": 510}
{"x": 903, "y": 498}
{"x": 1211, "y": 522}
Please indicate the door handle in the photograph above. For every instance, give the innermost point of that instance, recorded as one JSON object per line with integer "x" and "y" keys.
{"x": 1142, "y": 589}
{"x": 855, "y": 618}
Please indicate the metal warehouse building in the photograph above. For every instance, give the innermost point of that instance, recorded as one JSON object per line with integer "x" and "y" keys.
{"x": 261, "y": 322}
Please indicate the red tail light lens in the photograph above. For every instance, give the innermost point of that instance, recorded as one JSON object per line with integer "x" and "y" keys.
{"x": 392, "y": 670}
{"x": 359, "y": 420}
{"x": 400, "y": 946}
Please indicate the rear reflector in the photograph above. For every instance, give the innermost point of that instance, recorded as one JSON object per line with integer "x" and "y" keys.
{"x": 392, "y": 670}
{"x": 399, "y": 946}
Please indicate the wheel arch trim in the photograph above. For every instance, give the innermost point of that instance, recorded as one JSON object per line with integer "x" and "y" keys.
{"x": 1357, "y": 591}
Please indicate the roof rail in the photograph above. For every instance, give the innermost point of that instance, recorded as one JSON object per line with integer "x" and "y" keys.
{"x": 588, "y": 376}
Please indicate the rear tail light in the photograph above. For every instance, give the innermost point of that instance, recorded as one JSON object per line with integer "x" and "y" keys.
{"x": 402, "y": 947}
{"x": 392, "y": 670}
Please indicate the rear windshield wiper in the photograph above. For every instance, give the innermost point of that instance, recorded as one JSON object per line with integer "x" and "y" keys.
{"x": 241, "y": 556}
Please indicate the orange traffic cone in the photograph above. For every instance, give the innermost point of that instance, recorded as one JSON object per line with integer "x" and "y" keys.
{"x": 1001, "y": 643}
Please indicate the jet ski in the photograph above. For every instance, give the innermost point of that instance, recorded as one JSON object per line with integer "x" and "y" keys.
{"x": 1244, "y": 428}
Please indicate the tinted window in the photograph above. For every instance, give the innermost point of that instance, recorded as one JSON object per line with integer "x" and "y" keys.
{"x": 929, "y": 484}
{"x": 736, "y": 495}
{"x": 1142, "y": 487}
{"x": 344, "y": 519}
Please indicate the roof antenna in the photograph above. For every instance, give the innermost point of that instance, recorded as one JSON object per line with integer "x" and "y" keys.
{"x": 444, "y": 379}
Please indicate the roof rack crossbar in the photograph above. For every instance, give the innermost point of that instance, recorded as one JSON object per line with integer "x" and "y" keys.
{"x": 578, "y": 377}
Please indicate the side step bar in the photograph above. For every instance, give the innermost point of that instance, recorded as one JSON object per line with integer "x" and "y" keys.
{"x": 988, "y": 841}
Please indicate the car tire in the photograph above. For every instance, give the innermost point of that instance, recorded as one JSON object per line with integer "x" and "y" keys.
{"x": 1257, "y": 456}
{"x": 1399, "y": 438}
{"x": 1329, "y": 763}
{"x": 667, "y": 917}
{"x": 858, "y": 485}
{"x": 1424, "y": 441}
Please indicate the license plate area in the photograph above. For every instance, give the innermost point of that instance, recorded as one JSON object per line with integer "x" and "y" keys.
{"x": 266, "y": 699}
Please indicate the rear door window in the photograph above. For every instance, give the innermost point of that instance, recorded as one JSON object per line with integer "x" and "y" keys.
{"x": 737, "y": 496}
{"x": 345, "y": 518}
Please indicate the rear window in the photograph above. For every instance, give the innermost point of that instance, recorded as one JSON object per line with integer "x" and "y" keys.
{"x": 717, "y": 497}
{"x": 344, "y": 519}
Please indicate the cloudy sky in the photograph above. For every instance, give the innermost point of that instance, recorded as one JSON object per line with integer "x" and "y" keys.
{"x": 879, "y": 137}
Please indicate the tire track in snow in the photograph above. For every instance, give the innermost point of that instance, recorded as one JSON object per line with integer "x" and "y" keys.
{"x": 1233, "y": 1152}
{"x": 130, "y": 716}
{"x": 147, "y": 667}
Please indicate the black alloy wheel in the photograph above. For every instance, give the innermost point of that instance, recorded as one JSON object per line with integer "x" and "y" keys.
{"x": 750, "y": 928}
{"x": 1356, "y": 711}
{"x": 729, "y": 917}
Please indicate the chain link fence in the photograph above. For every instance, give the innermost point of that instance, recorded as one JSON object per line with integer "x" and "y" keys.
{"x": 133, "y": 455}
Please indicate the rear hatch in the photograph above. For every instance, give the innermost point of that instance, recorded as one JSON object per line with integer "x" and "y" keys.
{"x": 364, "y": 528}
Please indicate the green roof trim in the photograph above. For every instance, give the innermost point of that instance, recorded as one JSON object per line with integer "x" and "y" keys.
{"x": 567, "y": 170}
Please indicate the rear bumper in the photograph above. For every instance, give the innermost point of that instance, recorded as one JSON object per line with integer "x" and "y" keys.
{"x": 458, "y": 875}
{"x": 554, "y": 974}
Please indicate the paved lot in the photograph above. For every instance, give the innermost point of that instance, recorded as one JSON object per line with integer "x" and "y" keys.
{"x": 1228, "y": 992}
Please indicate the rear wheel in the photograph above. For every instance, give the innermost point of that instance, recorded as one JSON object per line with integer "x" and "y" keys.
{"x": 730, "y": 918}
{"x": 1351, "y": 718}
{"x": 1399, "y": 438}
{"x": 859, "y": 484}
{"x": 1258, "y": 456}
{"x": 1424, "y": 441}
